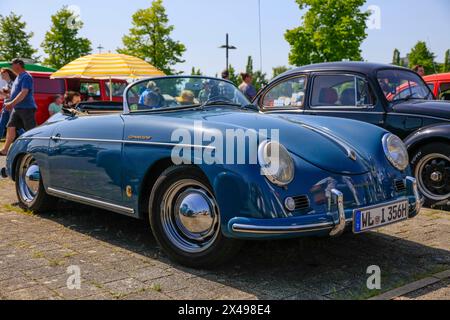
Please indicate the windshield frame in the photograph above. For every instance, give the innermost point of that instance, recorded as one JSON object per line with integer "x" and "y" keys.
{"x": 126, "y": 108}
{"x": 391, "y": 103}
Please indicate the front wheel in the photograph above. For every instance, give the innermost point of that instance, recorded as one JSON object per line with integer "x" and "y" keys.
{"x": 29, "y": 187}
{"x": 431, "y": 165}
{"x": 185, "y": 219}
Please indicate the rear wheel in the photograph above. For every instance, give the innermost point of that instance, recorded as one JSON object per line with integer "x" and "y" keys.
{"x": 431, "y": 167}
{"x": 185, "y": 219}
{"x": 29, "y": 187}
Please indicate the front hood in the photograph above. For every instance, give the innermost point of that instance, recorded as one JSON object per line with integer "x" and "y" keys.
{"x": 319, "y": 145}
{"x": 439, "y": 109}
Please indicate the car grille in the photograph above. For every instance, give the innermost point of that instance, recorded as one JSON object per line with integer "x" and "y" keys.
{"x": 301, "y": 203}
{"x": 400, "y": 186}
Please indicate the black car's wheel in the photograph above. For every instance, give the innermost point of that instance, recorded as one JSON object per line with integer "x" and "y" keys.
{"x": 431, "y": 165}
{"x": 185, "y": 219}
{"x": 29, "y": 187}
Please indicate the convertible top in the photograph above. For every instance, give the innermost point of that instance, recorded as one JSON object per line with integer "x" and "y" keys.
{"x": 100, "y": 107}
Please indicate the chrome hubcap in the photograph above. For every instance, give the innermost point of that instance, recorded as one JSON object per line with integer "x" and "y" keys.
{"x": 433, "y": 176}
{"x": 190, "y": 216}
{"x": 436, "y": 176}
{"x": 29, "y": 178}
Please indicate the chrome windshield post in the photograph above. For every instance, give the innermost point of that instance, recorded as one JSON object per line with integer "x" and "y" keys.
{"x": 340, "y": 225}
{"x": 411, "y": 185}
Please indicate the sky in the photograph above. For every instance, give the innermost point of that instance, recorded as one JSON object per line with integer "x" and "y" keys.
{"x": 202, "y": 24}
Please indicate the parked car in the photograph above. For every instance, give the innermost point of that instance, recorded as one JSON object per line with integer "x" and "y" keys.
{"x": 151, "y": 159}
{"x": 45, "y": 90}
{"x": 440, "y": 85}
{"x": 391, "y": 97}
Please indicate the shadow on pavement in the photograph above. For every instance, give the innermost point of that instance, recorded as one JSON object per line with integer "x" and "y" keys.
{"x": 309, "y": 268}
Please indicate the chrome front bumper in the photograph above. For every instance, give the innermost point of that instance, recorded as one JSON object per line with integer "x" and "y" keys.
{"x": 335, "y": 227}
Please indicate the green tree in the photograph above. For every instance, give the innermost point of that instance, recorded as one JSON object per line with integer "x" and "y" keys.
{"x": 150, "y": 39}
{"x": 279, "y": 70}
{"x": 196, "y": 72}
{"x": 62, "y": 43}
{"x": 396, "y": 58}
{"x": 421, "y": 55}
{"x": 259, "y": 80}
{"x": 446, "y": 65}
{"x": 331, "y": 30}
{"x": 249, "y": 67}
{"x": 234, "y": 77}
{"x": 14, "y": 40}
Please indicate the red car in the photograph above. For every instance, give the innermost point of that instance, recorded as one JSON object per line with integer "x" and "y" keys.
{"x": 45, "y": 90}
{"x": 440, "y": 85}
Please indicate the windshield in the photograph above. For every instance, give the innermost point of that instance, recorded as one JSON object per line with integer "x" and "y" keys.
{"x": 177, "y": 92}
{"x": 400, "y": 85}
{"x": 118, "y": 88}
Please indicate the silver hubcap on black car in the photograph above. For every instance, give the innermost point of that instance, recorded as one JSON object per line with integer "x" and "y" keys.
{"x": 433, "y": 175}
{"x": 190, "y": 216}
{"x": 29, "y": 178}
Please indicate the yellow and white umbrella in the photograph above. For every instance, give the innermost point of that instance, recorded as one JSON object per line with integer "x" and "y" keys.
{"x": 107, "y": 66}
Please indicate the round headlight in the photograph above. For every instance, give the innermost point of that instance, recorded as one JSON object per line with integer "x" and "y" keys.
{"x": 276, "y": 163}
{"x": 396, "y": 151}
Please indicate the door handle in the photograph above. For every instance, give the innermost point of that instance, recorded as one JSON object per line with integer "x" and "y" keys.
{"x": 56, "y": 138}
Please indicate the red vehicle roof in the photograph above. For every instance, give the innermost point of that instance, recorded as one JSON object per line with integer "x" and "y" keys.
{"x": 438, "y": 77}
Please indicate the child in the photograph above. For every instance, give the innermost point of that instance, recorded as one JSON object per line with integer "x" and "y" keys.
{"x": 56, "y": 106}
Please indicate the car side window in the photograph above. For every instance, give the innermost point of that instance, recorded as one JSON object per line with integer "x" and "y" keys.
{"x": 444, "y": 91}
{"x": 287, "y": 94}
{"x": 341, "y": 91}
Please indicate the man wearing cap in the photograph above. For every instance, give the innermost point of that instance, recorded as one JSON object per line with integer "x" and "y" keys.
{"x": 21, "y": 104}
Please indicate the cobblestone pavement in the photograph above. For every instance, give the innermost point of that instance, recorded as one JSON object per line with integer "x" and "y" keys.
{"x": 119, "y": 259}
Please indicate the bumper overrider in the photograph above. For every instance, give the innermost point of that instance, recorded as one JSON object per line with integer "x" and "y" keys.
{"x": 330, "y": 224}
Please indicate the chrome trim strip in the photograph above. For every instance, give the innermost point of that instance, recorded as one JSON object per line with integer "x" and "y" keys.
{"x": 241, "y": 228}
{"x": 415, "y": 115}
{"x": 57, "y": 138}
{"x": 340, "y": 226}
{"x": 90, "y": 201}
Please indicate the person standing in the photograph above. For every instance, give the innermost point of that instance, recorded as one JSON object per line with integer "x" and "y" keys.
{"x": 247, "y": 87}
{"x": 226, "y": 75}
{"x": 21, "y": 105}
{"x": 8, "y": 77}
{"x": 420, "y": 70}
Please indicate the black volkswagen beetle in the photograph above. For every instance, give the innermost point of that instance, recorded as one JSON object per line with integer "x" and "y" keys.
{"x": 392, "y": 97}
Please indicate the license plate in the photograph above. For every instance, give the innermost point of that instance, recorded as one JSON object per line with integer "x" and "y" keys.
{"x": 379, "y": 216}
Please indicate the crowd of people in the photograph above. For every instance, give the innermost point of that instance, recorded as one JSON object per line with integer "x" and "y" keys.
{"x": 19, "y": 108}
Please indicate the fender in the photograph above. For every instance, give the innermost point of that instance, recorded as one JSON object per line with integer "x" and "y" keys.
{"x": 439, "y": 131}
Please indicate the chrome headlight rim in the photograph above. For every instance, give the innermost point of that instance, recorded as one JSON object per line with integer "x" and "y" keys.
{"x": 263, "y": 147}
{"x": 388, "y": 139}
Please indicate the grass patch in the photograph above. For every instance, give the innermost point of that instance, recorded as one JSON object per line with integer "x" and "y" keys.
{"x": 55, "y": 263}
{"x": 17, "y": 209}
{"x": 37, "y": 255}
{"x": 156, "y": 287}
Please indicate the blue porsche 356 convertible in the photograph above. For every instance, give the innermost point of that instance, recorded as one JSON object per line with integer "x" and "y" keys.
{"x": 179, "y": 153}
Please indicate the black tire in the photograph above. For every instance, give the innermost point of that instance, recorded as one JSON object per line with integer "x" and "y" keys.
{"x": 431, "y": 167}
{"x": 218, "y": 249}
{"x": 37, "y": 202}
